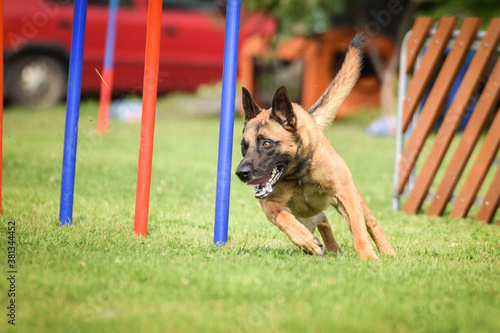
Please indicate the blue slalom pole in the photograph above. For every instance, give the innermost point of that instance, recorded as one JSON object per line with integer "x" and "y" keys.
{"x": 226, "y": 122}
{"x": 109, "y": 53}
{"x": 72, "y": 112}
{"x": 107, "y": 70}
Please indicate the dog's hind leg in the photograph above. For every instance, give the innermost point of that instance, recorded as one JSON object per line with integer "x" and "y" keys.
{"x": 321, "y": 222}
{"x": 349, "y": 207}
{"x": 376, "y": 232}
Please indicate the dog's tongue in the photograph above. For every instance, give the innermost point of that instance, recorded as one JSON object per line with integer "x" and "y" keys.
{"x": 260, "y": 181}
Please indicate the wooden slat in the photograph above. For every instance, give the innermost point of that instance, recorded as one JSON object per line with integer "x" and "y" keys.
{"x": 491, "y": 200}
{"x": 416, "y": 40}
{"x": 477, "y": 121}
{"x": 435, "y": 101}
{"x": 453, "y": 118}
{"x": 427, "y": 68}
{"x": 479, "y": 170}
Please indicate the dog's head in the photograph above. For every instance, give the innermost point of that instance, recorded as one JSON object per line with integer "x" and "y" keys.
{"x": 272, "y": 147}
{"x": 270, "y": 142}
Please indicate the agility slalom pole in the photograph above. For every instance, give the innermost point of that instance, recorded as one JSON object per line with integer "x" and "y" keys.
{"x": 148, "y": 117}
{"x": 1, "y": 101}
{"x": 226, "y": 122}
{"x": 107, "y": 70}
{"x": 72, "y": 112}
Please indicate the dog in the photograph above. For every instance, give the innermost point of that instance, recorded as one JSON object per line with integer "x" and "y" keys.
{"x": 296, "y": 172}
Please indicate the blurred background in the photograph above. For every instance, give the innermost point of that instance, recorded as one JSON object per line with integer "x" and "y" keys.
{"x": 297, "y": 43}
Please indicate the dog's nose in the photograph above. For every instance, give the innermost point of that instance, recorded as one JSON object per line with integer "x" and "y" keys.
{"x": 244, "y": 172}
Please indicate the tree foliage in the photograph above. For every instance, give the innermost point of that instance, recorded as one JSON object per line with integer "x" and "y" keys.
{"x": 316, "y": 16}
{"x": 299, "y": 16}
{"x": 487, "y": 9}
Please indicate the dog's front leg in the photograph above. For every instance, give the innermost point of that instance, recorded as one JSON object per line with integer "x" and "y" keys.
{"x": 296, "y": 231}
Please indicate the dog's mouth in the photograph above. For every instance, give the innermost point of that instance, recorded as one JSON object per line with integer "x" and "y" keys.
{"x": 263, "y": 187}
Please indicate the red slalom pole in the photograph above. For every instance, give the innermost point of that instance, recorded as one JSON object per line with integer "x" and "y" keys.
{"x": 1, "y": 100}
{"x": 104, "y": 100}
{"x": 148, "y": 117}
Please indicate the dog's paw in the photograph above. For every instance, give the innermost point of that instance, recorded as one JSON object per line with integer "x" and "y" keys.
{"x": 387, "y": 250}
{"x": 313, "y": 247}
{"x": 368, "y": 254}
{"x": 390, "y": 253}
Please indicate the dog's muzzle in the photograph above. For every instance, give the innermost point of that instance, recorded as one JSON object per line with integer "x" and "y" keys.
{"x": 263, "y": 186}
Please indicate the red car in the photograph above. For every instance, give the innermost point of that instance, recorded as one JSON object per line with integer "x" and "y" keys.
{"x": 37, "y": 43}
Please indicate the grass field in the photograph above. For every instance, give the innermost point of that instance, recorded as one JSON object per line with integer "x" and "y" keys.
{"x": 96, "y": 276}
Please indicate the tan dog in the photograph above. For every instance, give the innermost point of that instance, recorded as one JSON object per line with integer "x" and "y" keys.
{"x": 297, "y": 173}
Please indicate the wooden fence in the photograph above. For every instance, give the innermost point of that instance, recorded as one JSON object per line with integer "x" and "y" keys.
{"x": 430, "y": 62}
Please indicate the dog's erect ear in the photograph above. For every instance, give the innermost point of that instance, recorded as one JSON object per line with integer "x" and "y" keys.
{"x": 282, "y": 110}
{"x": 250, "y": 108}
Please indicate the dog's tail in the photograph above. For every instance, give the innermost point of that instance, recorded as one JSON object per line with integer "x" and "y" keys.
{"x": 326, "y": 107}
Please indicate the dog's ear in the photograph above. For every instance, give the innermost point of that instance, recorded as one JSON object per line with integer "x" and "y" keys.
{"x": 282, "y": 110}
{"x": 250, "y": 108}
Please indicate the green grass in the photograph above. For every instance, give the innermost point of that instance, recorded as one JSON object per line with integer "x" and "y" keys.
{"x": 96, "y": 276}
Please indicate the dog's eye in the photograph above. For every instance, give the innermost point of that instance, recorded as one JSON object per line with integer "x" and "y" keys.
{"x": 244, "y": 147}
{"x": 266, "y": 144}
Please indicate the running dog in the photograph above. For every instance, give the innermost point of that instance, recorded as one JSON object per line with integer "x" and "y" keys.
{"x": 296, "y": 172}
